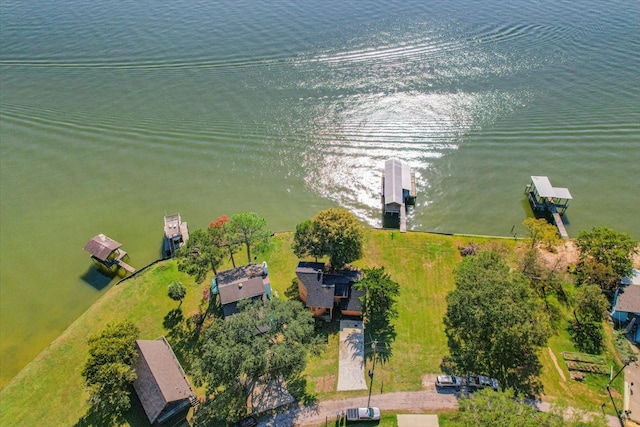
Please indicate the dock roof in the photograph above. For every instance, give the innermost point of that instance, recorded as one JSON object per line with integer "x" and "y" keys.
{"x": 397, "y": 176}
{"x": 101, "y": 246}
{"x": 545, "y": 189}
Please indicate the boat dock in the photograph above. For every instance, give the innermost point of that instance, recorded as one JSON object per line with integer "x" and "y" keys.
{"x": 549, "y": 201}
{"x": 176, "y": 234}
{"x": 398, "y": 191}
{"x": 106, "y": 252}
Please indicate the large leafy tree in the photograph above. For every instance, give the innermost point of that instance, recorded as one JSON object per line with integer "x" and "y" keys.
{"x": 305, "y": 242}
{"x": 541, "y": 232}
{"x": 199, "y": 255}
{"x": 587, "y": 330}
{"x": 251, "y": 230}
{"x": 109, "y": 370}
{"x": 339, "y": 235}
{"x": 258, "y": 344}
{"x": 606, "y": 256}
{"x": 495, "y": 324}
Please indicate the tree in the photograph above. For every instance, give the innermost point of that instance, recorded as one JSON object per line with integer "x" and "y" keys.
{"x": 380, "y": 294}
{"x": 379, "y": 307}
{"x": 606, "y": 256}
{"x": 109, "y": 370}
{"x": 257, "y": 344}
{"x": 199, "y": 255}
{"x": 586, "y": 330}
{"x": 500, "y": 409}
{"x": 251, "y": 230}
{"x": 176, "y": 291}
{"x": 222, "y": 236}
{"x": 494, "y": 323}
{"x": 305, "y": 242}
{"x": 541, "y": 232}
{"x": 339, "y": 235}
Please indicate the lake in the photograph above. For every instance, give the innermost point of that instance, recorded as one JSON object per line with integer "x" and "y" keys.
{"x": 113, "y": 114}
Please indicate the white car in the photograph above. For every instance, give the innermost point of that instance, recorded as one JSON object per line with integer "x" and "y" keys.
{"x": 363, "y": 414}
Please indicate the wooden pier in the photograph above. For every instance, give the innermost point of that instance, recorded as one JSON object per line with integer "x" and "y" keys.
{"x": 557, "y": 219}
{"x": 121, "y": 263}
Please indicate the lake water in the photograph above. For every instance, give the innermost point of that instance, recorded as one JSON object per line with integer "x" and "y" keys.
{"x": 115, "y": 113}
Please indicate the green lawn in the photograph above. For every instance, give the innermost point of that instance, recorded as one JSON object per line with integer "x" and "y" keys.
{"x": 51, "y": 387}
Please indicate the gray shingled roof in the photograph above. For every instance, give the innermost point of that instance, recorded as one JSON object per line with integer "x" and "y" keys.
{"x": 161, "y": 379}
{"x": 628, "y": 299}
{"x": 241, "y": 283}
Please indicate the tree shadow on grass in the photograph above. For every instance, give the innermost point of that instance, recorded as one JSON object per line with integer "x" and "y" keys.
{"x": 297, "y": 387}
{"x": 101, "y": 416}
{"x": 173, "y": 318}
{"x": 384, "y": 335}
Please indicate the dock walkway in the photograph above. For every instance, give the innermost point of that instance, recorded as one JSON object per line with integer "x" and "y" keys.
{"x": 558, "y": 221}
{"x": 403, "y": 219}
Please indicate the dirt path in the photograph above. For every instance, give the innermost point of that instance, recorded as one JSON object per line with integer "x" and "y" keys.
{"x": 424, "y": 401}
{"x": 555, "y": 362}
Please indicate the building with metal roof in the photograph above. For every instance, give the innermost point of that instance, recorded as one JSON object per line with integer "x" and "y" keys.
{"x": 161, "y": 384}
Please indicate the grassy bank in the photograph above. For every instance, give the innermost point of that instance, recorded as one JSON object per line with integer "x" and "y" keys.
{"x": 51, "y": 387}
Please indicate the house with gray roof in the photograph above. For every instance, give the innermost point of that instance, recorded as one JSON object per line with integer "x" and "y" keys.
{"x": 626, "y": 304}
{"x": 161, "y": 384}
{"x": 323, "y": 291}
{"x": 241, "y": 283}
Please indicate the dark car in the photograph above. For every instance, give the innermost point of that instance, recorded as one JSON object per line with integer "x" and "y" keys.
{"x": 250, "y": 421}
{"x": 481, "y": 381}
{"x": 449, "y": 381}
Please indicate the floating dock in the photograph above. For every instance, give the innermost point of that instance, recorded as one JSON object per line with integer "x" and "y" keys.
{"x": 398, "y": 190}
{"x": 106, "y": 252}
{"x": 176, "y": 234}
{"x": 549, "y": 201}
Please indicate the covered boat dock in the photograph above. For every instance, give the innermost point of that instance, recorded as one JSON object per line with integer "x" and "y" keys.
{"x": 549, "y": 201}
{"x": 398, "y": 190}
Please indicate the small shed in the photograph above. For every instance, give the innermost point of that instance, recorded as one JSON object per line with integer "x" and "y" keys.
{"x": 161, "y": 384}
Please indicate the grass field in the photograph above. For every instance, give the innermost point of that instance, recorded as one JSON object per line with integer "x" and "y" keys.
{"x": 51, "y": 387}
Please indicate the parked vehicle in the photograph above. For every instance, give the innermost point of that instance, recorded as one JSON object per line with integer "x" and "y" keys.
{"x": 476, "y": 382}
{"x": 250, "y": 421}
{"x": 449, "y": 381}
{"x": 363, "y": 414}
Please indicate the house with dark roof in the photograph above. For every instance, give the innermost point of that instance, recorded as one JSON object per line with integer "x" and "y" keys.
{"x": 323, "y": 291}
{"x": 161, "y": 384}
{"x": 241, "y": 283}
{"x": 626, "y": 304}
